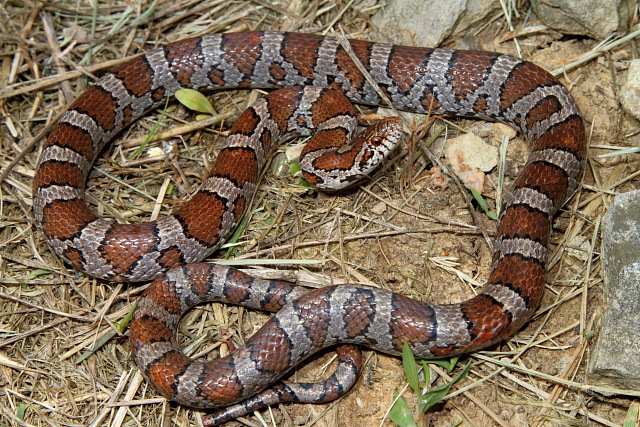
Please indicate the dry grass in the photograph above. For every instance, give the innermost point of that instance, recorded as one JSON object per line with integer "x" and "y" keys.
{"x": 63, "y": 357}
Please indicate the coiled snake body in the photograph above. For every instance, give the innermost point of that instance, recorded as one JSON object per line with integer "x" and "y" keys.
{"x": 449, "y": 82}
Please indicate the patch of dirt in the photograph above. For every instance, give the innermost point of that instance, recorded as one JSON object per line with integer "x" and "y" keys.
{"x": 395, "y": 232}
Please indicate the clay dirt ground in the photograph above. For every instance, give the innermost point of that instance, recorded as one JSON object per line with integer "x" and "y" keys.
{"x": 396, "y": 231}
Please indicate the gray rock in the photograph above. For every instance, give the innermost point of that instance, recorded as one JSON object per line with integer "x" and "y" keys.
{"x": 428, "y": 23}
{"x": 475, "y": 14}
{"x": 614, "y": 360}
{"x": 594, "y": 18}
{"x": 630, "y": 92}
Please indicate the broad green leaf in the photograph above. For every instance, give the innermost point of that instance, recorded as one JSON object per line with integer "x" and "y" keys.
{"x": 296, "y": 171}
{"x": 194, "y": 100}
{"x": 400, "y": 413}
{"x": 294, "y": 168}
{"x": 410, "y": 368}
{"x": 427, "y": 374}
{"x": 632, "y": 418}
{"x": 21, "y": 411}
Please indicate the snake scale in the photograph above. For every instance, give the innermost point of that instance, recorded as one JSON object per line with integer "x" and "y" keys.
{"x": 443, "y": 81}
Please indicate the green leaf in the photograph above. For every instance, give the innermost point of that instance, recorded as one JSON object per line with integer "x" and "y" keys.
{"x": 483, "y": 204}
{"x": 410, "y": 368}
{"x": 436, "y": 394}
{"x": 170, "y": 188}
{"x": 435, "y": 136}
{"x": 120, "y": 327}
{"x": 154, "y": 130}
{"x": 194, "y": 100}
{"x": 400, "y": 413}
{"x": 21, "y": 411}
{"x": 295, "y": 170}
{"x": 427, "y": 375}
{"x": 448, "y": 363}
{"x": 631, "y": 420}
{"x": 236, "y": 234}
{"x": 37, "y": 272}
{"x": 145, "y": 15}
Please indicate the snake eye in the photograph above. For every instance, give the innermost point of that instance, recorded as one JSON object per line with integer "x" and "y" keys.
{"x": 376, "y": 140}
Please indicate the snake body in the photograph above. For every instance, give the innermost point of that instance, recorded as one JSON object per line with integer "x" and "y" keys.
{"x": 441, "y": 81}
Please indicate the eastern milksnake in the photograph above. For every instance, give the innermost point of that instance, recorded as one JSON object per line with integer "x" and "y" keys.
{"x": 449, "y": 82}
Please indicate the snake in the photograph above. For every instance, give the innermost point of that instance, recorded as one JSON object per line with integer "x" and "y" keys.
{"x": 438, "y": 81}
